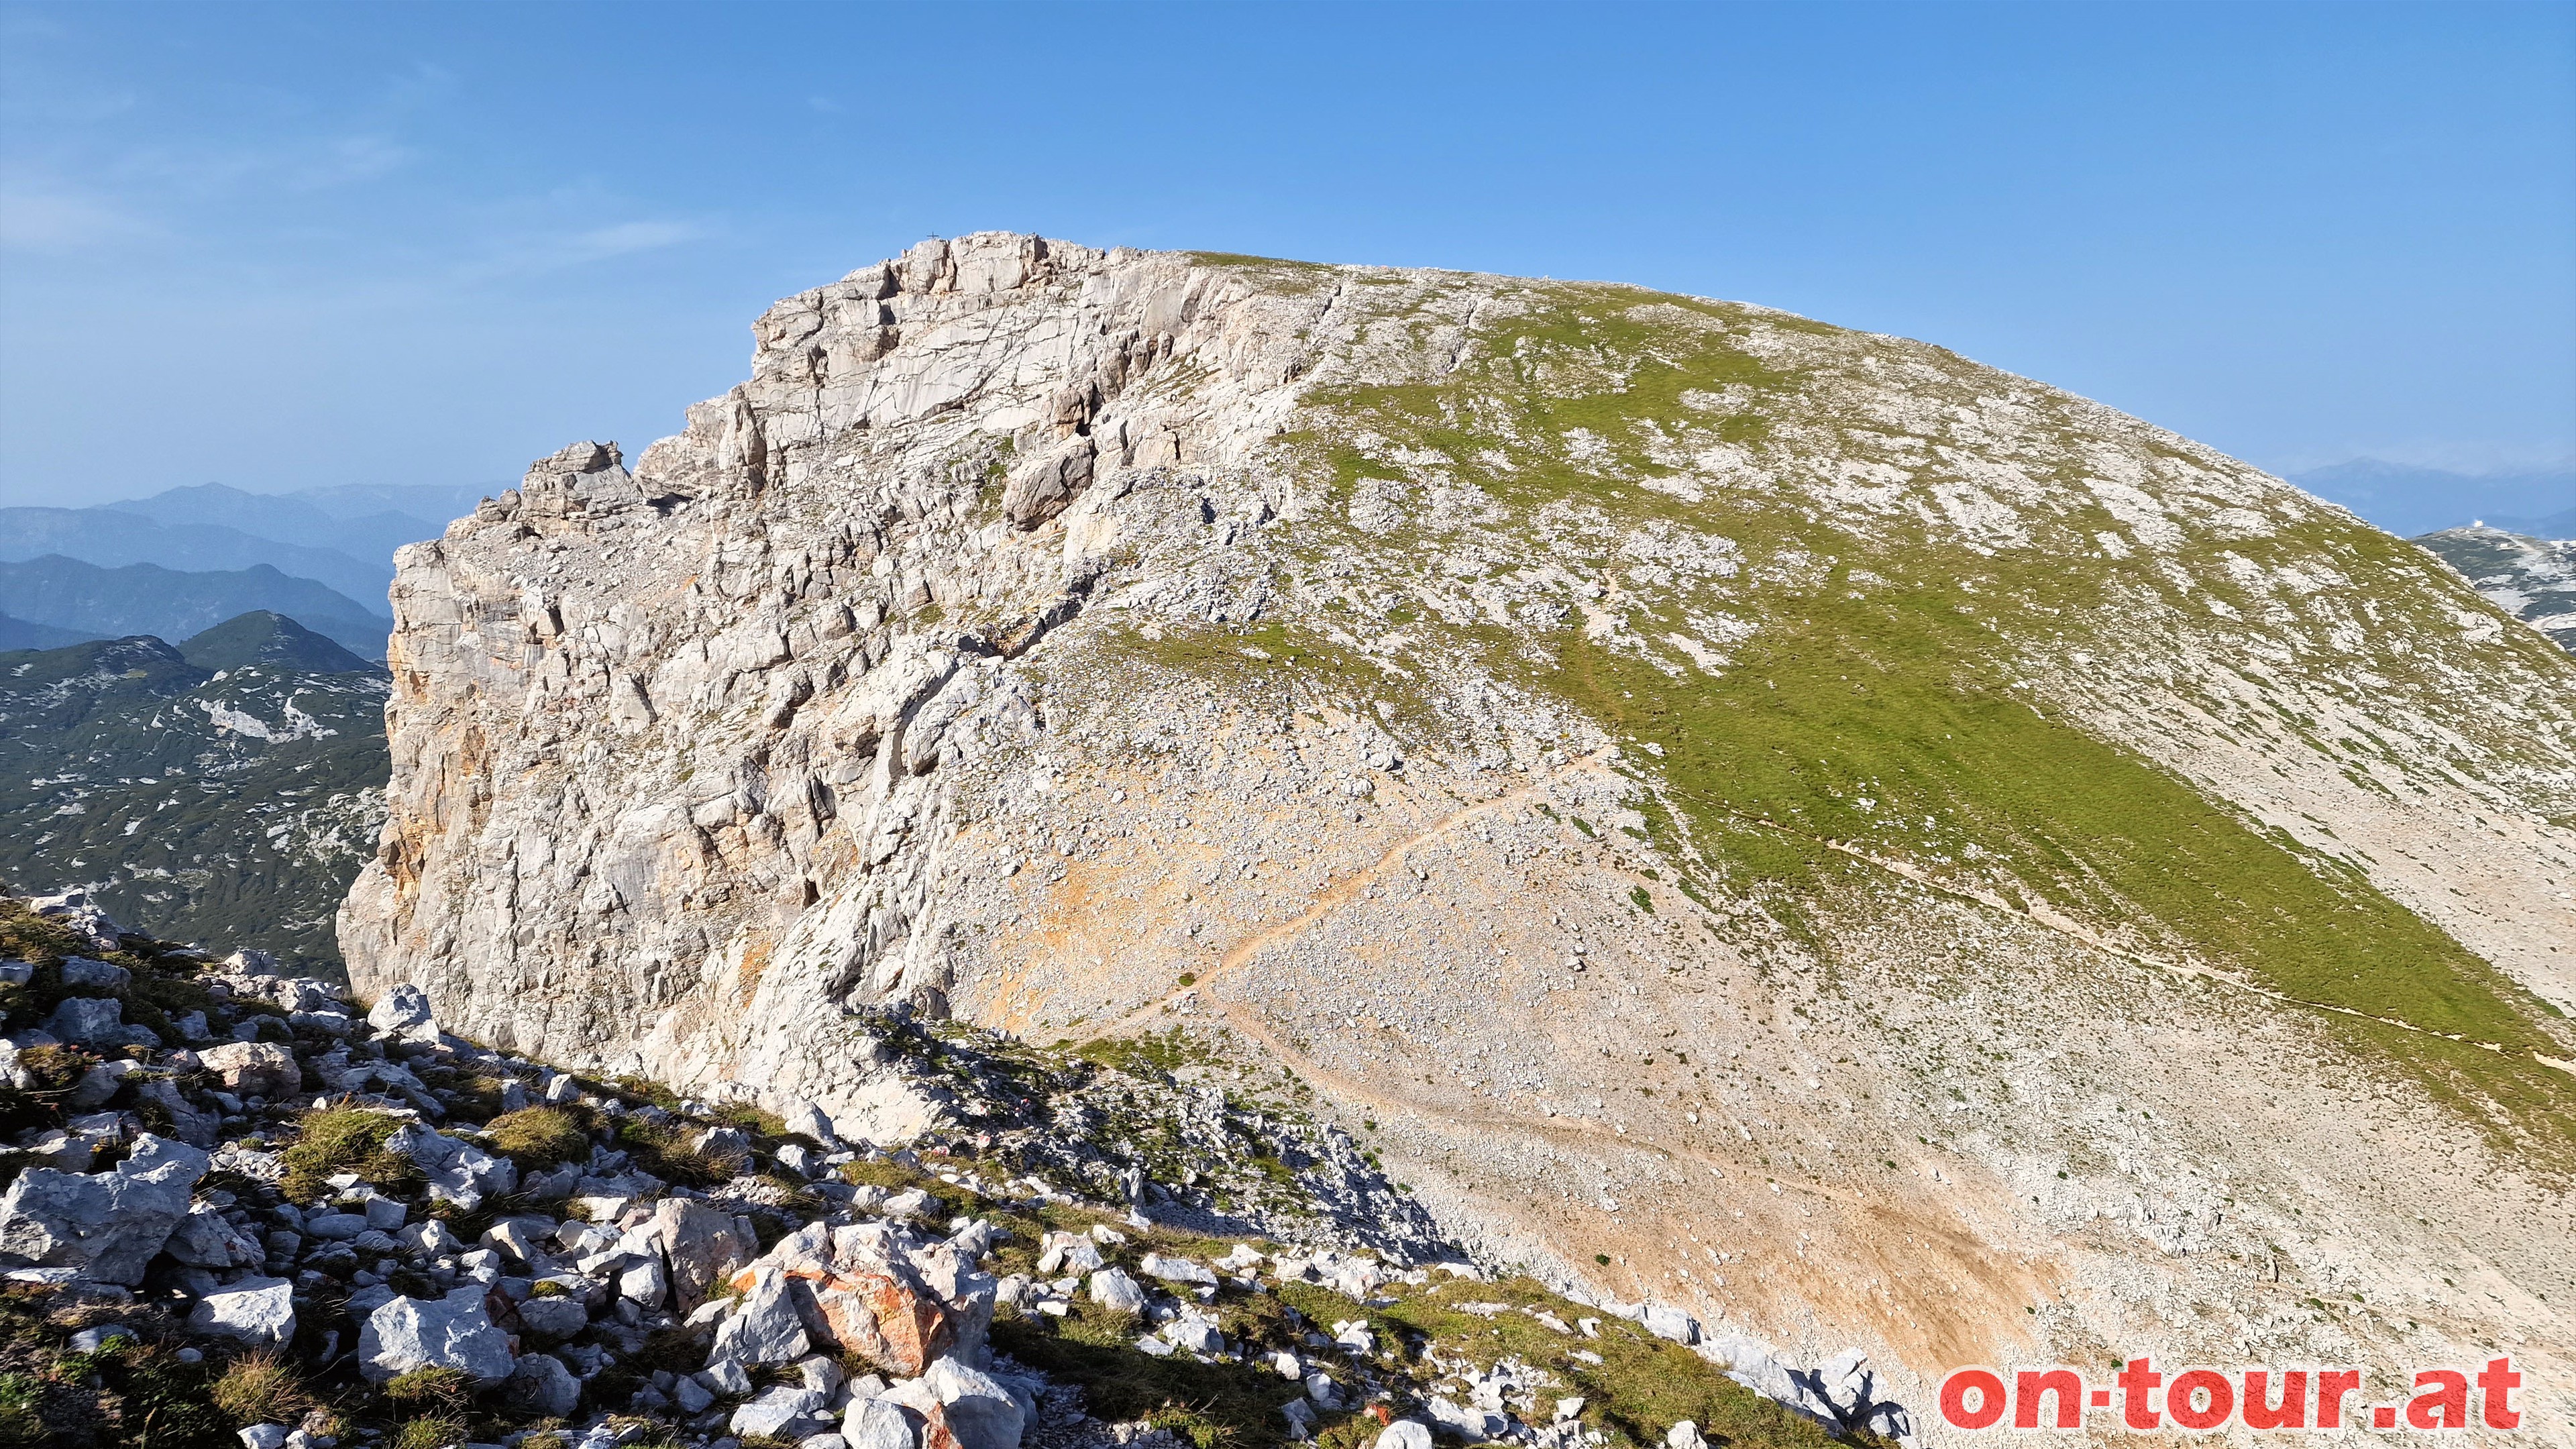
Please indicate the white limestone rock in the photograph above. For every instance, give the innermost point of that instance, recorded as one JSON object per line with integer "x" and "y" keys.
{"x": 254, "y": 1068}
{"x": 764, "y": 1326}
{"x": 252, "y": 1310}
{"x": 457, "y": 1172}
{"x": 781, "y": 1412}
{"x": 876, "y": 1423}
{"x": 553, "y": 1317}
{"x": 106, "y": 1226}
{"x": 455, "y": 1331}
{"x": 404, "y": 1014}
{"x": 541, "y": 1385}
{"x": 204, "y": 1239}
{"x": 1405, "y": 1434}
{"x": 705, "y": 1246}
{"x": 978, "y": 1410}
{"x": 1114, "y": 1289}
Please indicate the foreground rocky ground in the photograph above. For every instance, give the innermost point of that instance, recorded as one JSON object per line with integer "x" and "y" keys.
{"x": 241, "y": 1209}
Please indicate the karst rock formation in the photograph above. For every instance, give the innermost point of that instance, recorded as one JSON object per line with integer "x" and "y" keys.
{"x": 1736, "y": 813}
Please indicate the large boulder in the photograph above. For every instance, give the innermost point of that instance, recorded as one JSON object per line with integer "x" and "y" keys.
{"x": 948, "y": 1271}
{"x": 203, "y": 1239}
{"x": 1178, "y": 1270}
{"x": 452, "y": 1332}
{"x": 705, "y": 1248}
{"x": 457, "y": 1172}
{"x": 254, "y": 1068}
{"x": 783, "y": 1412}
{"x": 251, "y": 1310}
{"x": 543, "y": 1387}
{"x": 644, "y": 1280}
{"x": 1117, "y": 1291}
{"x": 107, "y": 1225}
{"x": 1665, "y": 1321}
{"x": 807, "y": 1120}
{"x": 91, "y": 1021}
{"x": 404, "y": 1015}
{"x": 861, "y": 1290}
{"x": 875, "y": 1423}
{"x": 80, "y": 971}
{"x": 553, "y": 1317}
{"x": 1405, "y": 1434}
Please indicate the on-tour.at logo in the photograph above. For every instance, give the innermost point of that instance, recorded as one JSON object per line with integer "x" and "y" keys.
{"x": 2206, "y": 1399}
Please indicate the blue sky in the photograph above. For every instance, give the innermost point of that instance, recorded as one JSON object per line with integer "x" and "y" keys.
{"x": 288, "y": 246}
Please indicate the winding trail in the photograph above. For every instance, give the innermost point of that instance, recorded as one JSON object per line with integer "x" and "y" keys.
{"x": 1336, "y": 895}
{"x": 1242, "y": 1017}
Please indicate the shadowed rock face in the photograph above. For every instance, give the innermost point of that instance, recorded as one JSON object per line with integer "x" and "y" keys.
{"x": 1878, "y": 846}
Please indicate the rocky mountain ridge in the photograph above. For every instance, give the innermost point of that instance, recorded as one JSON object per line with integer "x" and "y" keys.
{"x": 1866, "y": 840}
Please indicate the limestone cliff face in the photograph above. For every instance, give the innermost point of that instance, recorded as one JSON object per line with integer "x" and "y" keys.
{"x": 670, "y": 740}
{"x": 1873, "y": 847}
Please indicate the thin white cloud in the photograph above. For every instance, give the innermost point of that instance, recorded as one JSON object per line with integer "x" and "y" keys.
{"x": 42, "y": 220}
{"x": 427, "y": 80}
{"x": 628, "y": 237}
{"x": 342, "y": 162}
{"x": 31, "y": 101}
{"x": 538, "y": 251}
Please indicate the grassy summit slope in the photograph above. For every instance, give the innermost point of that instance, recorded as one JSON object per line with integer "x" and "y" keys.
{"x": 1877, "y": 667}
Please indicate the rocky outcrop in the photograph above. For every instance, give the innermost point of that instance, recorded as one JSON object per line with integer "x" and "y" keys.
{"x": 450, "y": 1332}
{"x": 1003, "y": 375}
{"x": 1863, "y": 839}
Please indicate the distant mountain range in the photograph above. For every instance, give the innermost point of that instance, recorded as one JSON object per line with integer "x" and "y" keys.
{"x": 178, "y": 561}
{"x": 363, "y": 522}
{"x": 2560, "y": 525}
{"x": 21, "y": 634}
{"x": 113, "y": 537}
{"x": 51, "y": 601}
{"x": 2408, "y": 501}
{"x": 223, "y": 789}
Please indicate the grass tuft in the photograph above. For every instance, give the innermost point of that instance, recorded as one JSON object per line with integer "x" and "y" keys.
{"x": 537, "y": 1138}
{"x": 334, "y": 1140}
